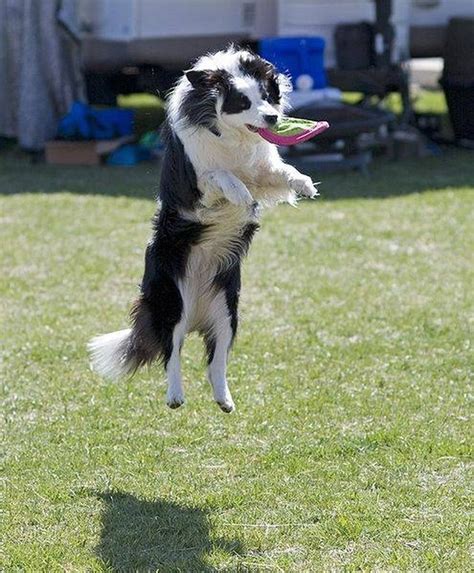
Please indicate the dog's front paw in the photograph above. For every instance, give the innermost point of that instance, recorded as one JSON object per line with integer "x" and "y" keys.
{"x": 236, "y": 192}
{"x": 226, "y": 405}
{"x": 174, "y": 400}
{"x": 303, "y": 185}
{"x": 220, "y": 181}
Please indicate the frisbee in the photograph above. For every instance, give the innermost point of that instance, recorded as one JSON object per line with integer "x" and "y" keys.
{"x": 292, "y": 130}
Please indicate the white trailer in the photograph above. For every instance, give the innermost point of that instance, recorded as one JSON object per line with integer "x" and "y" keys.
{"x": 173, "y": 32}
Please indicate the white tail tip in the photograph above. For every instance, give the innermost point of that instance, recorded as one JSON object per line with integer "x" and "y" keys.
{"x": 108, "y": 354}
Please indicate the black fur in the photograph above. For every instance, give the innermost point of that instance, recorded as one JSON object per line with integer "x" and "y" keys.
{"x": 178, "y": 185}
{"x": 199, "y": 104}
{"x": 159, "y": 306}
{"x": 234, "y": 101}
{"x": 266, "y": 75}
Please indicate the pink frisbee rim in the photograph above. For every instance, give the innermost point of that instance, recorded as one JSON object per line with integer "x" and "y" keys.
{"x": 277, "y": 139}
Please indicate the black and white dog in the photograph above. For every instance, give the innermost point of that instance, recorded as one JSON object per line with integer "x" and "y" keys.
{"x": 217, "y": 172}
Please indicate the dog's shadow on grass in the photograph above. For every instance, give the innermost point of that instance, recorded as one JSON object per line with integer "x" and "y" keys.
{"x": 141, "y": 535}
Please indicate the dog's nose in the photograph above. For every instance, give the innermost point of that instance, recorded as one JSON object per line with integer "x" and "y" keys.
{"x": 270, "y": 119}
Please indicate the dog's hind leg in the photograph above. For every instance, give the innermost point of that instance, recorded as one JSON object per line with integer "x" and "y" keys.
{"x": 219, "y": 337}
{"x": 175, "y": 394}
{"x": 159, "y": 325}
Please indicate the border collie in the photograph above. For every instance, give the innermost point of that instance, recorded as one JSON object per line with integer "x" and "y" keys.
{"x": 217, "y": 172}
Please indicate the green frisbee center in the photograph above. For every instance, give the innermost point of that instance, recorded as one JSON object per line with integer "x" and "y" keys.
{"x": 292, "y": 126}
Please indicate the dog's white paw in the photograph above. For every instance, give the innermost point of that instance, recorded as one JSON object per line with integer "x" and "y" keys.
{"x": 236, "y": 192}
{"x": 304, "y": 186}
{"x": 223, "y": 398}
{"x": 220, "y": 181}
{"x": 226, "y": 405}
{"x": 174, "y": 400}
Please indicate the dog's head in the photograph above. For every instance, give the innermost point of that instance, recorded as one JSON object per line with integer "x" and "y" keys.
{"x": 234, "y": 89}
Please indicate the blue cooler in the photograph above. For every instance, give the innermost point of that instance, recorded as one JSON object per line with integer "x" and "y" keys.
{"x": 301, "y": 57}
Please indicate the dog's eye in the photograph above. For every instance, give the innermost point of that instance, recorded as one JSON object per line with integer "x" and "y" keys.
{"x": 236, "y": 102}
{"x": 243, "y": 101}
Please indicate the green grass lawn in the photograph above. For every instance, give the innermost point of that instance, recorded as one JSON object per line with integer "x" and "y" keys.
{"x": 350, "y": 446}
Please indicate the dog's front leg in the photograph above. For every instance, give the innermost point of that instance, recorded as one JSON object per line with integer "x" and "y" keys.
{"x": 219, "y": 182}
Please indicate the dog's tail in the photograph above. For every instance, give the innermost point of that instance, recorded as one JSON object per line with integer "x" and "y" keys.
{"x": 119, "y": 354}
{"x": 110, "y": 354}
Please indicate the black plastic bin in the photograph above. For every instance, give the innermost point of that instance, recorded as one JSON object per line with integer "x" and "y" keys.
{"x": 458, "y": 76}
{"x": 460, "y": 100}
{"x": 354, "y": 46}
{"x": 459, "y": 49}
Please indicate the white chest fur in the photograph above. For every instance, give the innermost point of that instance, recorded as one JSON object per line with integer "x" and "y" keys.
{"x": 251, "y": 159}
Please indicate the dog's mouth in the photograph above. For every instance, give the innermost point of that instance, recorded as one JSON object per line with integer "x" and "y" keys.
{"x": 251, "y": 128}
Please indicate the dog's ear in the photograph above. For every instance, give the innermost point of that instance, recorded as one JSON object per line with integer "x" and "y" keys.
{"x": 196, "y": 78}
{"x": 205, "y": 79}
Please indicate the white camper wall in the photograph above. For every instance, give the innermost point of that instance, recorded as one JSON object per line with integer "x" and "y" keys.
{"x": 130, "y": 20}
{"x": 320, "y": 18}
{"x": 438, "y": 12}
{"x": 171, "y": 18}
{"x": 108, "y": 19}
